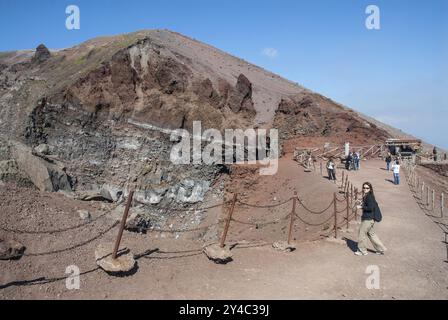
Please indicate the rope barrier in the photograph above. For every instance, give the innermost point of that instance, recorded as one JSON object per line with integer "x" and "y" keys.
{"x": 343, "y": 210}
{"x": 19, "y": 231}
{"x": 314, "y": 224}
{"x": 263, "y": 206}
{"x": 314, "y": 212}
{"x": 41, "y": 280}
{"x": 262, "y": 223}
{"x": 73, "y": 247}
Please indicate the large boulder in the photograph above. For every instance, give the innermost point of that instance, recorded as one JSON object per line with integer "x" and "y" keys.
{"x": 44, "y": 175}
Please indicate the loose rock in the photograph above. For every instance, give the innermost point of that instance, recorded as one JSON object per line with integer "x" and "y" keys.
{"x": 284, "y": 246}
{"x": 125, "y": 262}
{"x": 217, "y": 254}
{"x": 11, "y": 249}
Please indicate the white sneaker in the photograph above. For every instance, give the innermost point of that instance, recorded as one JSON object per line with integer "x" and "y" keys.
{"x": 359, "y": 253}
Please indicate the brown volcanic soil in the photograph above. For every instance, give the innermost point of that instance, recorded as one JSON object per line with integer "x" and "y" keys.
{"x": 412, "y": 268}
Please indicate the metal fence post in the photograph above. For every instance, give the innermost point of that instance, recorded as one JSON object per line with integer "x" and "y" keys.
{"x": 348, "y": 208}
{"x": 335, "y": 216}
{"x": 123, "y": 224}
{"x": 229, "y": 218}
{"x": 293, "y": 212}
{"x": 442, "y": 198}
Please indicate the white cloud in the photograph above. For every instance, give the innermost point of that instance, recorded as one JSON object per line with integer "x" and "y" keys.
{"x": 270, "y": 52}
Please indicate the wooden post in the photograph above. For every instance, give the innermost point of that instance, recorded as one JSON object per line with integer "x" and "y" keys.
{"x": 229, "y": 218}
{"x": 351, "y": 194}
{"x": 423, "y": 191}
{"x": 442, "y": 204}
{"x": 123, "y": 224}
{"x": 348, "y": 210}
{"x": 335, "y": 216}
{"x": 433, "y": 205}
{"x": 293, "y": 212}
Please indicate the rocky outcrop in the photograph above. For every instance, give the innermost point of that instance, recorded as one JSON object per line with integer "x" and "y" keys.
{"x": 44, "y": 175}
{"x": 240, "y": 97}
{"x": 42, "y": 54}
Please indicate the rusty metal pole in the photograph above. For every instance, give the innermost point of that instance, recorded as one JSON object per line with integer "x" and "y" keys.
{"x": 433, "y": 204}
{"x": 348, "y": 209}
{"x": 293, "y": 212}
{"x": 351, "y": 194}
{"x": 423, "y": 191}
{"x": 442, "y": 198}
{"x": 123, "y": 224}
{"x": 229, "y": 218}
{"x": 335, "y": 216}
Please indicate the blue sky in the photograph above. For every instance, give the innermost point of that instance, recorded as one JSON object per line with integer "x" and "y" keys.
{"x": 397, "y": 74}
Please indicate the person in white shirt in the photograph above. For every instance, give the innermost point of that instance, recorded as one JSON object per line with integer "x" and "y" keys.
{"x": 396, "y": 171}
{"x": 331, "y": 168}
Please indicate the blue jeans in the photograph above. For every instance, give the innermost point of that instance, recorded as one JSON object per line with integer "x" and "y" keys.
{"x": 396, "y": 178}
{"x": 388, "y": 166}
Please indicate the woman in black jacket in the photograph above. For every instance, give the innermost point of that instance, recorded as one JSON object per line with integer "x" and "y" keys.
{"x": 366, "y": 229}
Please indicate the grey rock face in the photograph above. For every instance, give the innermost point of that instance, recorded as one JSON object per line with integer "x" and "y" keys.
{"x": 42, "y": 54}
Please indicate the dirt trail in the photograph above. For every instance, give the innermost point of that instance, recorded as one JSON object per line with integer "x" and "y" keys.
{"x": 414, "y": 267}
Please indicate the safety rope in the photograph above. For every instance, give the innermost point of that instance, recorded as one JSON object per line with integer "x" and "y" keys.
{"x": 23, "y": 231}
{"x": 315, "y": 212}
{"x": 72, "y": 247}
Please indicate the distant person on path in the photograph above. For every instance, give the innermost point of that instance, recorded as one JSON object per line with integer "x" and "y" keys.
{"x": 348, "y": 161}
{"x": 396, "y": 171}
{"x": 388, "y": 161}
{"x": 371, "y": 214}
{"x": 357, "y": 159}
{"x": 434, "y": 152}
{"x": 331, "y": 168}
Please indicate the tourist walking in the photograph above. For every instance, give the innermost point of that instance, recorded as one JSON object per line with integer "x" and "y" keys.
{"x": 331, "y": 168}
{"x": 348, "y": 161}
{"x": 396, "y": 172}
{"x": 357, "y": 157}
{"x": 371, "y": 214}
{"x": 388, "y": 161}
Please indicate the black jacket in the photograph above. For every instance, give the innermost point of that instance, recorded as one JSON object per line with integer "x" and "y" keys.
{"x": 368, "y": 207}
